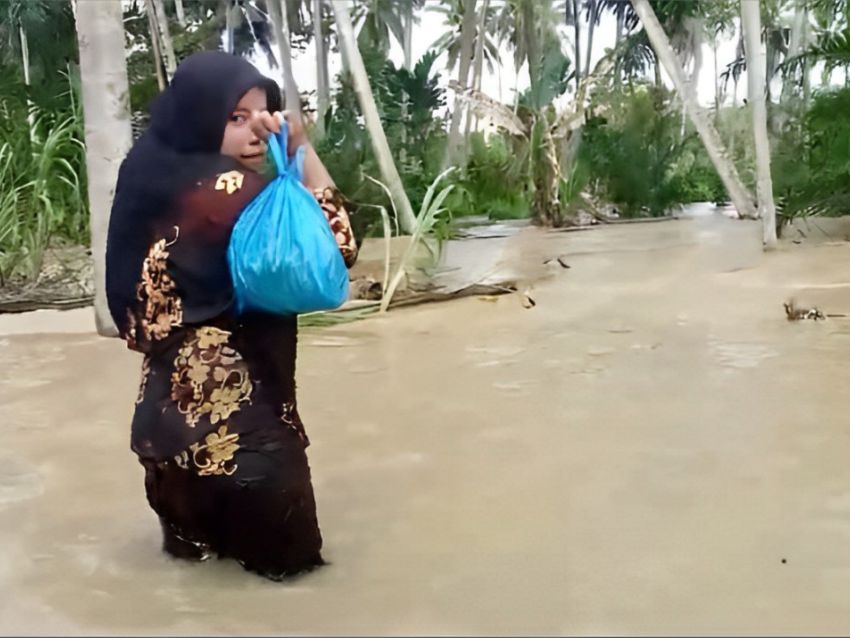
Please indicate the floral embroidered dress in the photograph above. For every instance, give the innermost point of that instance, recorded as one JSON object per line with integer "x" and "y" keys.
{"x": 216, "y": 424}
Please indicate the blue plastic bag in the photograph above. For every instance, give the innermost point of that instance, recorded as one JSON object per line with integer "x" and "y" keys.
{"x": 283, "y": 256}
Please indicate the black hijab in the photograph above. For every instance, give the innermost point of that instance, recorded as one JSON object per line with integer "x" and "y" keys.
{"x": 180, "y": 149}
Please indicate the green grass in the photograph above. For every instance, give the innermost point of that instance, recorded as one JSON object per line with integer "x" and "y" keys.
{"x": 42, "y": 184}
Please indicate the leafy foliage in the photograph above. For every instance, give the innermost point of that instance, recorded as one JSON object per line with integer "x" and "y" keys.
{"x": 406, "y": 101}
{"x": 812, "y": 175}
{"x": 634, "y": 150}
{"x": 42, "y": 177}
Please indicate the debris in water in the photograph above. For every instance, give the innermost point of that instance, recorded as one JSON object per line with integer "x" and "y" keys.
{"x": 560, "y": 261}
{"x": 794, "y": 313}
{"x": 527, "y": 301}
{"x": 366, "y": 288}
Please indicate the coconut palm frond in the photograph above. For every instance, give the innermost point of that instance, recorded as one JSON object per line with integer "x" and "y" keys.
{"x": 833, "y": 50}
{"x": 484, "y": 106}
{"x": 572, "y": 118}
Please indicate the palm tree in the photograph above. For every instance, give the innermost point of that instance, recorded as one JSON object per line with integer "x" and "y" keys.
{"x": 797, "y": 42}
{"x": 593, "y": 12}
{"x": 478, "y": 57}
{"x": 181, "y": 13}
{"x": 719, "y": 19}
{"x": 378, "y": 21}
{"x": 573, "y": 18}
{"x": 25, "y": 21}
{"x": 453, "y": 149}
{"x": 409, "y": 8}
{"x": 829, "y": 42}
{"x": 528, "y": 26}
{"x": 451, "y": 40}
{"x": 280, "y": 21}
{"x": 13, "y": 11}
{"x": 756, "y": 74}
{"x": 323, "y": 89}
{"x": 156, "y": 49}
{"x": 389, "y": 172}
{"x": 485, "y": 45}
{"x": 707, "y": 133}
{"x": 100, "y": 33}
{"x": 165, "y": 34}
{"x": 621, "y": 9}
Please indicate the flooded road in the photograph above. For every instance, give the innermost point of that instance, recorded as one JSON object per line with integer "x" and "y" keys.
{"x": 651, "y": 449}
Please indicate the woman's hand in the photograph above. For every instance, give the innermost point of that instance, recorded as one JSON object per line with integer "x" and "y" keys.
{"x": 316, "y": 176}
{"x": 265, "y": 123}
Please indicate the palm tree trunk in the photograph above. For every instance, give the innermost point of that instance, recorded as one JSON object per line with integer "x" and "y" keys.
{"x": 806, "y": 77}
{"x": 708, "y": 134}
{"x": 531, "y": 35}
{"x": 696, "y": 44}
{"x": 25, "y": 53}
{"x": 756, "y": 72}
{"x": 516, "y": 90}
{"x": 277, "y": 12}
{"x": 591, "y": 28}
{"x": 25, "y": 63}
{"x": 407, "y": 45}
{"x": 181, "y": 12}
{"x": 228, "y": 23}
{"x": 323, "y": 92}
{"x": 621, "y": 20}
{"x": 155, "y": 48}
{"x": 577, "y": 32}
{"x": 790, "y": 81}
{"x": 408, "y": 35}
{"x": 807, "y": 82}
{"x": 735, "y": 93}
{"x": 618, "y": 38}
{"x": 795, "y": 48}
{"x": 165, "y": 34}
{"x": 467, "y": 34}
{"x": 478, "y": 70}
{"x": 103, "y": 70}
{"x": 348, "y": 43}
{"x": 716, "y": 83}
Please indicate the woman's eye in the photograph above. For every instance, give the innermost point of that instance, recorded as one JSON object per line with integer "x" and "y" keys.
{"x": 238, "y": 118}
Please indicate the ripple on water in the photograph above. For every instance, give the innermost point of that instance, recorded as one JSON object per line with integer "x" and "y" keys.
{"x": 19, "y": 481}
{"x": 740, "y": 355}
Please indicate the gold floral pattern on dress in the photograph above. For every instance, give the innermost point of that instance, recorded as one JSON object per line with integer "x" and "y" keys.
{"x": 331, "y": 202}
{"x": 143, "y": 384}
{"x": 182, "y": 460}
{"x": 230, "y": 182}
{"x": 214, "y": 456}
{"x": 210, "y": 378}
{"x": 161, "y": 308}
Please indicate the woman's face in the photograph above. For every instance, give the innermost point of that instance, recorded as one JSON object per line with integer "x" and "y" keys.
{"x": 239, "y": 141}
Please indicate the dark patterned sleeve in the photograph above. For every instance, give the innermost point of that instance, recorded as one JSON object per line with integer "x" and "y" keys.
{"x": 198, "y": 254}
{"x": 333, "y": 206}
{"x": 184, "y": 277}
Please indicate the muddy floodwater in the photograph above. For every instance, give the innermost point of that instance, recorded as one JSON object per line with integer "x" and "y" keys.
{"x": 651, "y": 449}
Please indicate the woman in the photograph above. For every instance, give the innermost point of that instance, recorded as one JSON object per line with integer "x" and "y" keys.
{"x": 216, "y": 424}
